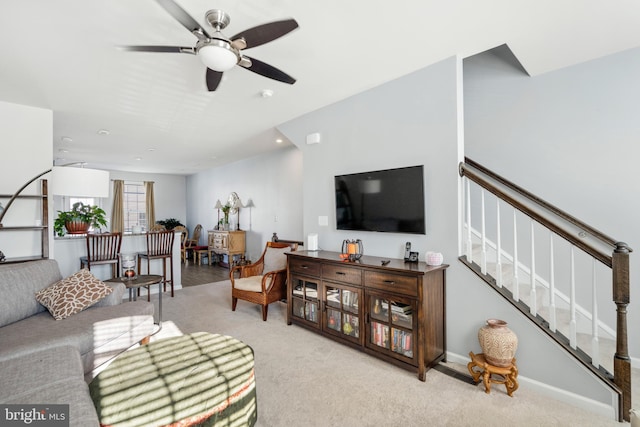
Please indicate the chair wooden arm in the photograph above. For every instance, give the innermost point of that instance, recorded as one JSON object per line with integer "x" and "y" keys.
{"x": 254, "y": 269}
{"x": 275, "y": 278}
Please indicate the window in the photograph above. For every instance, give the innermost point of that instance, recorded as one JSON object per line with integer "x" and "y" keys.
{"x": 135, "y": 212}
{"x": 84, "y": 200}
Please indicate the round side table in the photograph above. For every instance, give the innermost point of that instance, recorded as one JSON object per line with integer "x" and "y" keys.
{"x": 142, "y": 280}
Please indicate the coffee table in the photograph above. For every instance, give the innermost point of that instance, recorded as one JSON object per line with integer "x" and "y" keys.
{"x": 139, "y": 281}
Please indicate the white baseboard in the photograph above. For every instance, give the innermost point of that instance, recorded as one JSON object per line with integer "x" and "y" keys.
{"x": 565, "y": 396}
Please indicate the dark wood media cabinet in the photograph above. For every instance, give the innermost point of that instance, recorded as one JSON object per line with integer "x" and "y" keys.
{"x": 394, "y": 311}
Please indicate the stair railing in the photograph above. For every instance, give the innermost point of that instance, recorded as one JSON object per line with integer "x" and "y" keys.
{"x": 598, "y": 247}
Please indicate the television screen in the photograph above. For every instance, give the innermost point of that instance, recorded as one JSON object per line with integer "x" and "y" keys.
{"x": 389, "y": 200}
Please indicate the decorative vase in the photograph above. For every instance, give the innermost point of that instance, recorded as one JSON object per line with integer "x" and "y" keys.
{"x": 498, "y": 342}
{"x": 434, "y": 258}
{"x": 128, "y": 265}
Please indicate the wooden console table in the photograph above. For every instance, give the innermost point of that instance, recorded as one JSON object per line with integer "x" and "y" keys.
{"x": 228, "y": 243}
{"x": 394, "y": 311}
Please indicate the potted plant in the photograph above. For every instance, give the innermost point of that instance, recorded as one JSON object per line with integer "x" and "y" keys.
{"x": 79, "y": 219}
{"x": 170, "y": 223}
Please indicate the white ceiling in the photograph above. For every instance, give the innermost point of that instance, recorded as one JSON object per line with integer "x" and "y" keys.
{"x": 62, "y": 55}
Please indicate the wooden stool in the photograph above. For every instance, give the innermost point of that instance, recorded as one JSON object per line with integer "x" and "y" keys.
{"x": 508, "y": 375}
{"x": 198, "y": 252}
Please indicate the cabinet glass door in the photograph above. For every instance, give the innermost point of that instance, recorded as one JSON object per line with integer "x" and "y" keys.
{"x": 342, "y": 314}
{"x": 305, "y": 299}
{"x": 391, "y": 324}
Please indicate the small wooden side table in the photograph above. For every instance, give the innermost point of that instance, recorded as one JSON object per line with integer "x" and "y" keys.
{"x": 140, "y": 281}
{"x": 507, "y": 375}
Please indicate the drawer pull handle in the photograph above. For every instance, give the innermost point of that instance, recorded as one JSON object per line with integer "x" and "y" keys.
{"x": 304, "y": 267}
{"x": 390, "y": 282}
{"x": 340, "y": 273}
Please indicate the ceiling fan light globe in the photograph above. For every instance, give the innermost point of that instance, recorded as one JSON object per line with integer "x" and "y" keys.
{"x": 216, "y": 57}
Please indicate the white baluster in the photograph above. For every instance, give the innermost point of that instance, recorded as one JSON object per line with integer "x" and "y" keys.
{"x": 483, "y": 255}
{"x": 516, "y": 284}
{"x": 498, "y": 247}
{"x": 595, "y": 344}
{"x": 572, "y": 303}
{"x": 533, "y": 308}
{"x": 552, "y": 286}
{"x": 468, "y": 206}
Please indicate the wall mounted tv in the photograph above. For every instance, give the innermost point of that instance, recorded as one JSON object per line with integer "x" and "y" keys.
{"x": 390, "y": 200}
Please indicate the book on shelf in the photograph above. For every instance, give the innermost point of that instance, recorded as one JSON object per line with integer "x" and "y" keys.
{"x": 349, "y": 299}
{"x": 400, "y": 308}
{"x": 401, "y": 342}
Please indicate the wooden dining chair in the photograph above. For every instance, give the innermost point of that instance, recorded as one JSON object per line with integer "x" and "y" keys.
{"x": 159, "y": 246}
{"x": 103, "y": 248}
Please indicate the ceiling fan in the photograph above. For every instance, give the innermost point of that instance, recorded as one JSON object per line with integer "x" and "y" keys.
{"x": 219, "y": 53}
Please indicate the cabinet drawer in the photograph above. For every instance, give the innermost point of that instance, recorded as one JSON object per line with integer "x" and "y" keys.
{"x": 341, "y": 273}
{"x": 304, "y": 267}
{"x": 391, "y": 282}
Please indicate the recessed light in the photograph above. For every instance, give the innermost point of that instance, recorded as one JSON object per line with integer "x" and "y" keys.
{"x": 279, "y": 141}
{"x": 138, "y": 158}
{"x": 103, "y": 132}
{"x": 66, "y": 139}
{"x": 266, "y": 93}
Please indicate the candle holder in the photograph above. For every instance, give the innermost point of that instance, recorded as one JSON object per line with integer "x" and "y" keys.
{"x": 128, "y": 266}
{"x": 352, "y": 250}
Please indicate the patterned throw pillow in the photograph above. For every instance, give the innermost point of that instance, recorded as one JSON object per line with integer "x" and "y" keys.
{"x": 73, "y": 294}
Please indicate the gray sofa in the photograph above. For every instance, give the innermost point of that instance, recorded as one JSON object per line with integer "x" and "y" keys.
{"x": 43, "y": 360}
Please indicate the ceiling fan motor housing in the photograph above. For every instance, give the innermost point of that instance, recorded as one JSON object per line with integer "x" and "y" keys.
{"x": 218, "y": 19}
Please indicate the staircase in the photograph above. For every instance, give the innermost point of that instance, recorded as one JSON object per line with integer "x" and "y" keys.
{"x": 559, "y": 272}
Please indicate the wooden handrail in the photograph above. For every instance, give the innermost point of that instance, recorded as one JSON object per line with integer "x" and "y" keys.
{"x": 595, "y": 253}
{"x": 548, "y": 206}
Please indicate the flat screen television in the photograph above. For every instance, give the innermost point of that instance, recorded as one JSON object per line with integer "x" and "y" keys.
{"x": 390, "y": 200}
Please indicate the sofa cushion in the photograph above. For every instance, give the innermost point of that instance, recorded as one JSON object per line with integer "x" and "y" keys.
{"x": 98, "y": 333}
{"x": 73, "y": 294}
{"x": 19, "y": 282}
{"x": 52, "y": 376}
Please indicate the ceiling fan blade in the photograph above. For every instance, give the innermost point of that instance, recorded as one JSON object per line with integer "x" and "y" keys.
{"x": 161, "y": 49}
{"x": 269, "y": 71}
{"x": 213, "y": 79}
{"x": 265, "y": 33}
{"x": 182, "y": 16}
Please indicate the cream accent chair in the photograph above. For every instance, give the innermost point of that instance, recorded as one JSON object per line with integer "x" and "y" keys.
{"x": 264, "y": 281}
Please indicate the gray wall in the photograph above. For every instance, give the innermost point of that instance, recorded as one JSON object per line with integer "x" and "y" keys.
{"x": 26, "y": 138}
{"x": 273, "y": 182}
{"x": 417, "y": 120}
{"x": 570, "y": 136}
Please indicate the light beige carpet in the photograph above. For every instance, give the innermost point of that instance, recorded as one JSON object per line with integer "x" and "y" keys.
{"x": 304, "y": 379}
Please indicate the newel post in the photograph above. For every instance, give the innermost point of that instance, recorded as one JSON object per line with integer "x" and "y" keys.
{"x": 622, "y": 362}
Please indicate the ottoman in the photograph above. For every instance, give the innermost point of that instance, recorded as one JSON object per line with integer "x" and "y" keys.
{"x": 199, "y": 379}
